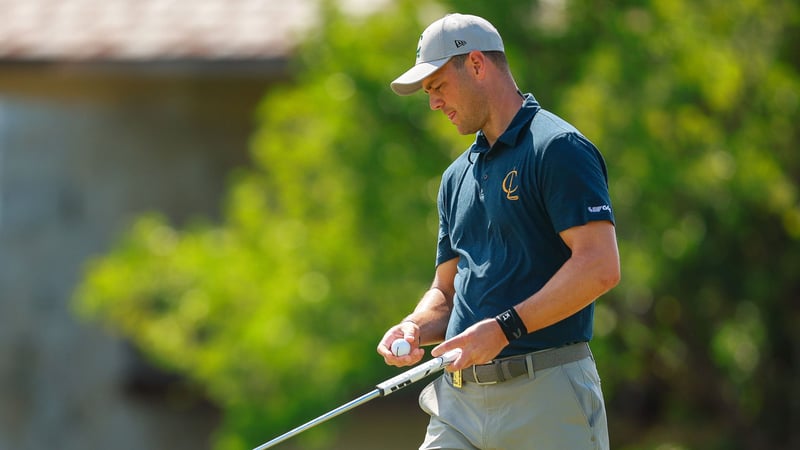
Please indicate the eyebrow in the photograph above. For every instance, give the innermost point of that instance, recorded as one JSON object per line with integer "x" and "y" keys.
{"x": 426, "y": 86}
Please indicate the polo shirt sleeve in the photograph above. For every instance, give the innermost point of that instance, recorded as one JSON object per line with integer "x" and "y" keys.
{"x": 444, "y": 247}
{"x": 574, "y": 182}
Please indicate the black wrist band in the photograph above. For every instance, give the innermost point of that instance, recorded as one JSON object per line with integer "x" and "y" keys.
{"x": 511, "y": 324}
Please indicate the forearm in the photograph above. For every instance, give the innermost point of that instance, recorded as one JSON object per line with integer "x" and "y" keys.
{"x": 428, "y": 323}
{"x": 570, "y": 290}
{"x": 585, "y": 276}
{"x": 432, "y": 315}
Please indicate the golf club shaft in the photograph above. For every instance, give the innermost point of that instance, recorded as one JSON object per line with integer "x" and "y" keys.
{"x": 329, "y": 415}
{"x": 417, "y": 373}
{"x": 383, "y": 389}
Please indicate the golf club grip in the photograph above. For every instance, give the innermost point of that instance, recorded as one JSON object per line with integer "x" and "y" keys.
{"x": 417, "y": 373}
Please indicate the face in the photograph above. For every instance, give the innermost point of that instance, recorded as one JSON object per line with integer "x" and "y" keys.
{"x": 457, "y": 95}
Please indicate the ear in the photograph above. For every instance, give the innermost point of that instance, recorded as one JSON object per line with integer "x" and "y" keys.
{"x": 476, "y": 64}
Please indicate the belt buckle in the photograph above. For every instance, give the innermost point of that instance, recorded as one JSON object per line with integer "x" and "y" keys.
{"x": 457, "y": 379}
{"x": 479, "y": 382}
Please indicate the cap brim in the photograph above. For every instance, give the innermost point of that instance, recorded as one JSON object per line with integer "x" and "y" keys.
{"x": 411, "y": 81}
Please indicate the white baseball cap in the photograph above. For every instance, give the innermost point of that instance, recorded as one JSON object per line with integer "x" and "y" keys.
{"x": 453, "y": 34}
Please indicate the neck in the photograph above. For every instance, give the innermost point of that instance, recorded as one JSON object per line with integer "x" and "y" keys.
{"x": 507, "y": 102}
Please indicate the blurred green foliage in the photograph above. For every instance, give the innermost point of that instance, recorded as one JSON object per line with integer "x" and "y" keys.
{"x": 329, "y": 238}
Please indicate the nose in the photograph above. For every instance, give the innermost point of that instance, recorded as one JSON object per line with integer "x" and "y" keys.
{"x": 435, "y": 101}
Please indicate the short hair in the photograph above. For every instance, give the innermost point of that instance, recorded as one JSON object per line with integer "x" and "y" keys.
{"x": 498, "y": 58}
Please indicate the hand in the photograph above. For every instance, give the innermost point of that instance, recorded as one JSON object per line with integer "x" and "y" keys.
{"x": 411, "y": 333}
{"x": 479, "y": 344}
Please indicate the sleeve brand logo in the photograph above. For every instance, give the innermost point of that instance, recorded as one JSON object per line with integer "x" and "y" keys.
{"x": 597, "y": 209}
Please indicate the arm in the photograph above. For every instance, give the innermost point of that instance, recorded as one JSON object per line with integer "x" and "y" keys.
{"x": 428, "y": 323}
{"x": 592, "y": 270}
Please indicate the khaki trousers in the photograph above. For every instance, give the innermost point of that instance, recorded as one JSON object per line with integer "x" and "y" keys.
{"x": 559, "y": 408}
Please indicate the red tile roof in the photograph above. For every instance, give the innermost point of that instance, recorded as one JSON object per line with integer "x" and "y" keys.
{"x": 128, "y": 30}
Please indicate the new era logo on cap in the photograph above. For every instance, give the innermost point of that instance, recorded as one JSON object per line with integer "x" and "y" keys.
{"x": 460, "y": 43}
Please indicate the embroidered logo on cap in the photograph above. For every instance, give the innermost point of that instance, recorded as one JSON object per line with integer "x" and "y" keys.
{"x": 460, "y": 43}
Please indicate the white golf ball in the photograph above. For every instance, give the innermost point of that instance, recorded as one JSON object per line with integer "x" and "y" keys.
{"x": 401, "y": 347}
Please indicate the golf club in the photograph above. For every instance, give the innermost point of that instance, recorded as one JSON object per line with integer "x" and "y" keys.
{"x": 381, "y": 390}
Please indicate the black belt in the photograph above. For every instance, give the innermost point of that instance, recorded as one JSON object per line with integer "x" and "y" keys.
{"x": 505, "y": 369}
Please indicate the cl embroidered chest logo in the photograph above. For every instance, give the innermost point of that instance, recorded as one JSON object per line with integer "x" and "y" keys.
{"x": 510, "y": 186}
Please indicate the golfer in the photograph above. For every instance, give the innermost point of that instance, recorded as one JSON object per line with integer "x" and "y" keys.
{"x": 526, "y": 245}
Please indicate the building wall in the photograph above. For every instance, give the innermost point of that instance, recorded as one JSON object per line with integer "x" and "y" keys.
{"x": 82, "y": 153}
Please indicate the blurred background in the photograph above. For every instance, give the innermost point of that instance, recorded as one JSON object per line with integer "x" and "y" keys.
{"x": 211, "y": 210}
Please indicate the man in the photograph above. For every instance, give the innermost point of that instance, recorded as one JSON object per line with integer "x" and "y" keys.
{"x": 526, "y": 244}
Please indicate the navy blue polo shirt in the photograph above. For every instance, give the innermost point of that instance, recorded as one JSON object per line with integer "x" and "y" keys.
{"x": 500, "y": 211}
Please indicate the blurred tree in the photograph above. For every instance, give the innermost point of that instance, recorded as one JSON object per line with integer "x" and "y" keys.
{"x": 696, "y": 106}
{"x": 329, "y": 238}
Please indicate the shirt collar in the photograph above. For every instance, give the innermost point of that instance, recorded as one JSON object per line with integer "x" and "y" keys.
{"x": 509, "y": 137}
